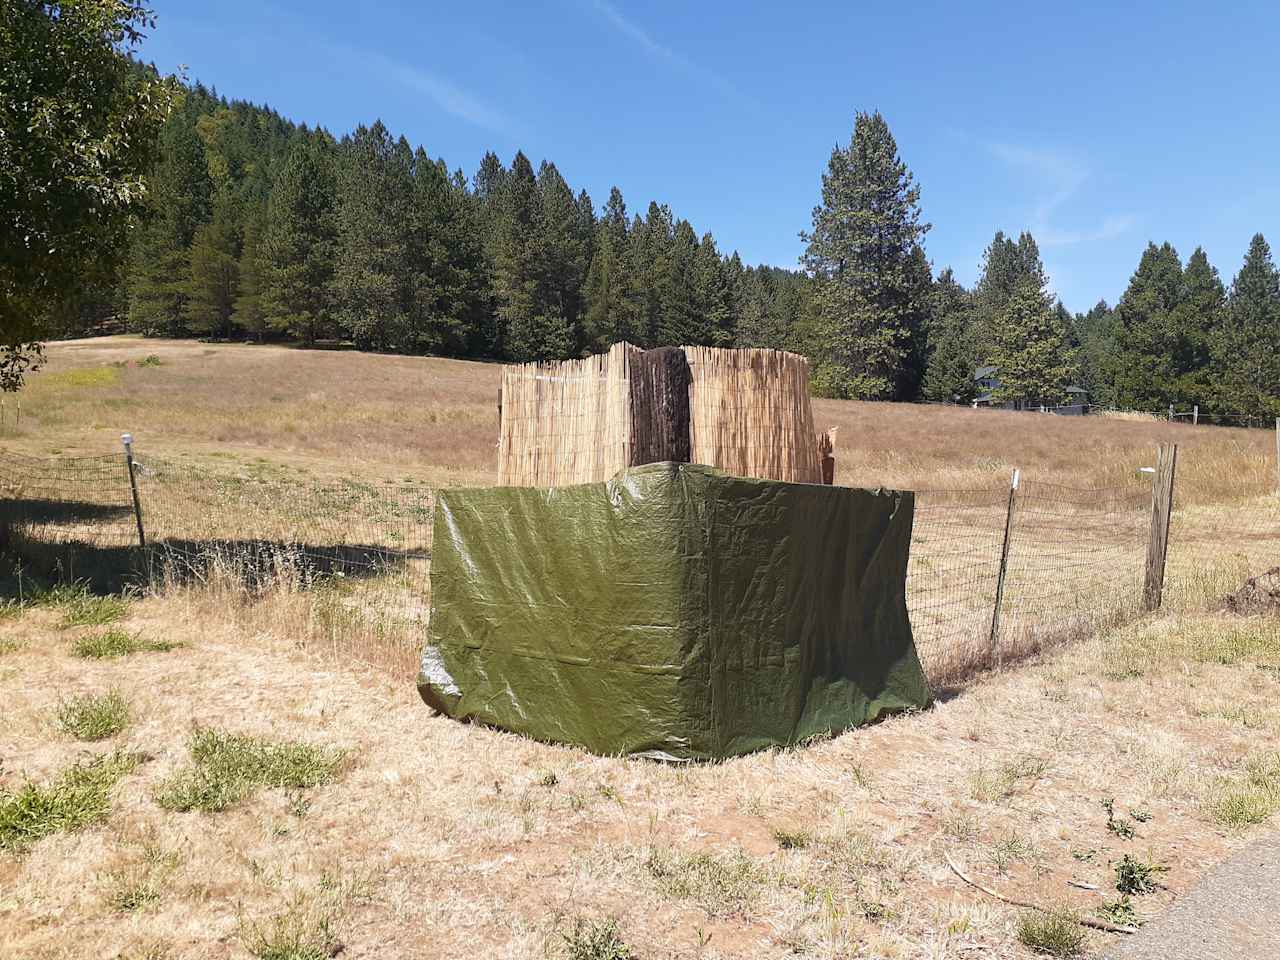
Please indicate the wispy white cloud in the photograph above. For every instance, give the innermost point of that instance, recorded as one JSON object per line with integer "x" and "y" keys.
{"x": 660, "y": 51}
{"x": 1062, "y": 176}
{"x": 449, "y": 97}
{"x": 441, "y": 91}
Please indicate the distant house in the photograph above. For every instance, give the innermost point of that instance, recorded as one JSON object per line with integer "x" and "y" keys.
{"x": 987, "y": 380}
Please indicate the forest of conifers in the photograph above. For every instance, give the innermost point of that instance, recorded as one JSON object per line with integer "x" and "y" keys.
{"x": 260, "y": 228}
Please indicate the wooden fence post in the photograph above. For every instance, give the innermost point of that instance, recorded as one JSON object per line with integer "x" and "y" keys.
{"x": 127, "y": 439}
{"x": 1161, "y": 512}
{"x": 1195, "y": 415}
{"x": 1004, "y": 568}
{"x": 1277, "y": 454}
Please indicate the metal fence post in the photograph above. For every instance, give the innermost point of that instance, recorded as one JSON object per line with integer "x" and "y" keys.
{"x": 1004, "y": 568}
{"x": 127, "y": 440}
{"x": 1161, "y": 513}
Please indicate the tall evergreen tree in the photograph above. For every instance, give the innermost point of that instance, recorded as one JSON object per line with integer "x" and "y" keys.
{"x": 371, "y": 284}
{"x": 300, "y": 242}
{"x": 1197, "y": 322}
{"x": 178, "y": 202}
{"x": 1031, "y": 350}
{"x": 1248, "y": 346}
{"x": 1098, "y": 334}
{"x": 213, "y": 280}
{"x": 1145, "y": 372}
{"x": 248, "y": 309}
{"x": 861, "y": 253}
{"x": 949, "y": 373}
{"x": 1007, "y": 266}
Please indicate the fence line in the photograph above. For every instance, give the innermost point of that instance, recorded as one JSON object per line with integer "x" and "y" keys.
{"x": 994, "y": 572}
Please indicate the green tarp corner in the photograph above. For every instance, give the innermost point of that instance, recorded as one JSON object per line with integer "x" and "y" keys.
{"x": 672, "y": 611}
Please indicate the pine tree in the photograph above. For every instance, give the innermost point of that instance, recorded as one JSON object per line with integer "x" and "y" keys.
{"x": 371, "y": 283}
{"x": 1145, "y": 372}
{"x": 300, "y": 241}
{"x": 910, "y": 381}
{"x": 179, "y": 201}
{"x": 1030, "y": 349}
{"x": 1007, "y": 265}
{"x": 1248, "y": 346}
{"x": 532, "y": 329}
{"x": 1197, "y": 322}
{"x": 949, "y": 373}
{"x": 248, "y": 310}
{"x": 1098, "y": 334}
{"x": 213, "y": 279}
{"x": 861, "y": 255}
{"x": 712, "y": 297}
{"x": 563, "y": 250}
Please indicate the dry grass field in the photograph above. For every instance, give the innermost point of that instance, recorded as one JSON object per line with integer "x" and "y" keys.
{"x": 205, "y": 771}
{"x": 386, "y": 832}
{"x": 235, "y": 406}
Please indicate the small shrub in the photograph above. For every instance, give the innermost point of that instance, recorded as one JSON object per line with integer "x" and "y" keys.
{"x": 227, "y": 767}
{"x": 1054, "y": 934}
{"x": 91, "y": 717}
{"x": 1136, "y": 877}
{"x": 116, "y": 643}
{"x": 792, "y": 839}
{"x": 150, "y": 360}
{"x": 1011, "y": 849}
{"x": 1121, "y": 827}
{"x": 548, "y": 779}
{"x": 1120, "y": 912}
{"x": 79, "y": 796}
{"x": 596, "y": 940}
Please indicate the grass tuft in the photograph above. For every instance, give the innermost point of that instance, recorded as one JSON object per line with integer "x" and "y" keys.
{"x": 720, "y": 885}
{"x": 116, "y": 643}
{"x": 1054, "y": 934}
{"x": 596, "y": 940}
{"x": 1253, "y": 801}
{"x": 94, "y": 717}
{"x": 80, "y": 608}
{"x": 227, "y": 767}
{"x": 295, "y": 934}
{"x": 789, "y": 838}
{"x": 79, "y": 796}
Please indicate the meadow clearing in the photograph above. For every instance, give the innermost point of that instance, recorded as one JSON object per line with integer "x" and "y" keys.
{"x": 203, "y": 771}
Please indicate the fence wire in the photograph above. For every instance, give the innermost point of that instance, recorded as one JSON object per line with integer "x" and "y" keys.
{"x": 358, "y": 552}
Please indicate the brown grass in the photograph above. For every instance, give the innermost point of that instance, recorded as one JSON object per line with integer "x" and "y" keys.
{"x": 282, "y": 410}
{"x": 443, "y": 839}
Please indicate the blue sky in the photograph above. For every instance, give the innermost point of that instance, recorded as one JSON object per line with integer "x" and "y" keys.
{"x": 1096, "y": 126}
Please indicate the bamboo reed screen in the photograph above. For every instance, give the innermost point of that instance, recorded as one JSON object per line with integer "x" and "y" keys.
{"x": 750, "y": 414}
{"x": 572, "y": 422}
{"x": 565, "y": 423}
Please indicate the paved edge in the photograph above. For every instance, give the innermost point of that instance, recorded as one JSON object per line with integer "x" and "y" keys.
{"x": 1232, "y": 913}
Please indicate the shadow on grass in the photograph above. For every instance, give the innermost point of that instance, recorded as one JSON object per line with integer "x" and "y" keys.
{"x": 30, "y": 564}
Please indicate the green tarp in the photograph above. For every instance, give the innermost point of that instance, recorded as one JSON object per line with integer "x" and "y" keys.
{"x": 672, "y": 611}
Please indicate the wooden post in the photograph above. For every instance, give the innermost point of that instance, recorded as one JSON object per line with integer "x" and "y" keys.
{"x": 499, "y": 406}
{"x": 1161, "y": 512}
{"x": 660, "y": 414}
{"x": 1277, "y": 454}
{"x": 1171, "y": 413}
{"x": 1004, "y": 568}
{"x": 1195, "y": 415}
{"x": 127, "y": 439}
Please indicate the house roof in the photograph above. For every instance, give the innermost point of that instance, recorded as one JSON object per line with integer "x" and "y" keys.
{"x": 983, "y": 372}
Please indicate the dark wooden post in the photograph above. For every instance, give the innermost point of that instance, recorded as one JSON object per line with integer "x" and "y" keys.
{"x": 660, "y": 416}
{"x": 1161, "y": 512}
{"x": 127, "y": 439}
{"x": 1004, "y": 568}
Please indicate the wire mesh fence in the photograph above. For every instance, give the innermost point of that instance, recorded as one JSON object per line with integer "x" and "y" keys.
{"x": 994, "y": 573}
